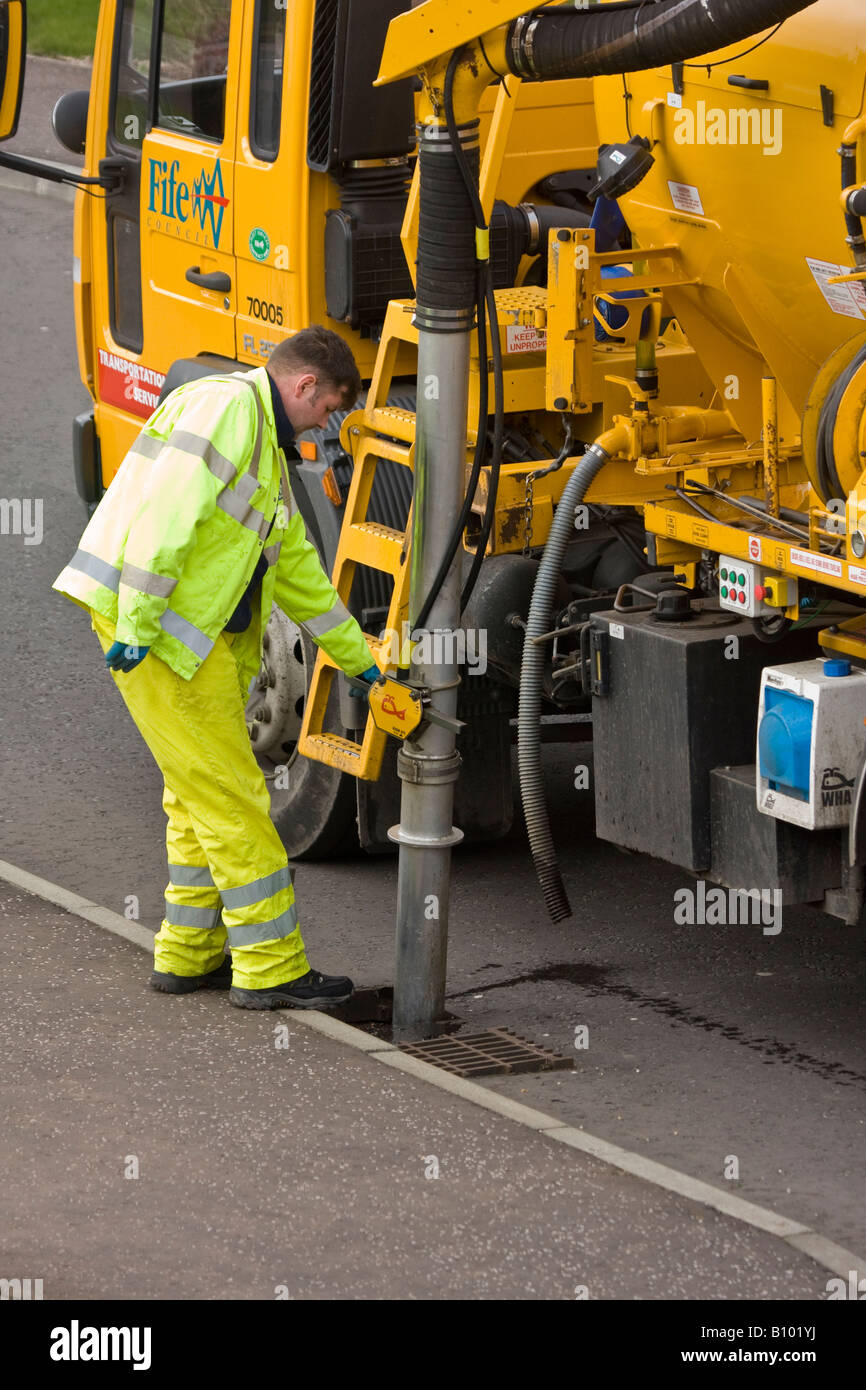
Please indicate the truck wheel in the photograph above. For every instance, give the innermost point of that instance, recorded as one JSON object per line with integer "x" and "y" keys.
{"x": 312, "y": 805}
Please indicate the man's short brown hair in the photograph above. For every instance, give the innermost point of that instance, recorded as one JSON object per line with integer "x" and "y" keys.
{"x": 317, "y": 349}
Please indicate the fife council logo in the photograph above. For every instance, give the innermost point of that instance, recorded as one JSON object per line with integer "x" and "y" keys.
{"x": 195, "y": 212}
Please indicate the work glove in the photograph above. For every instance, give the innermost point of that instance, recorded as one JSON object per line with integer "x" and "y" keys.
{"x": 121, "y": 657}
{"x": 372, "y": 673}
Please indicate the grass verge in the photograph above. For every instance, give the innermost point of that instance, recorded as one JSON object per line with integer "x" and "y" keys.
{"x": 62, "y": 30}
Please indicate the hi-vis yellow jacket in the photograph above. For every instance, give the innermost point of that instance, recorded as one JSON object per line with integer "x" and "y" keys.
{"x": 172, "y": 546}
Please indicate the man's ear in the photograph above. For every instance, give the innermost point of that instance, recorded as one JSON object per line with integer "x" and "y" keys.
{"x": 306, "y": 379}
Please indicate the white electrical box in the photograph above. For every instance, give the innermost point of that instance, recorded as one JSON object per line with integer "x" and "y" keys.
{"x": 811, "y": 738}
{"x": 752, "y": 590}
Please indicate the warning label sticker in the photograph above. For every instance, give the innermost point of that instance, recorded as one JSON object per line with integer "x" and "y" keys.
{"x": 686, "y": 198}
{"x": 519, "y": 339}
{"x": 822, "y": 564}
{"x": 856, "y": 574}
{"x": 849, "y": 300}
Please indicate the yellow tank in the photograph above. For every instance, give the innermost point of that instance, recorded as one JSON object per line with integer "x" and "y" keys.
{"x": 747, "y": 182}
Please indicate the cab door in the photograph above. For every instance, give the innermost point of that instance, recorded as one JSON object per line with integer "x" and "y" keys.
{"x": 271, "y": 178}
{"x": 164, "y": 104}
{"x": 188, "y": 273}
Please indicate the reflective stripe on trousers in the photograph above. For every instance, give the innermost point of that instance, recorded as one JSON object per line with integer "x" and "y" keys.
{"x": 229, "y": 880}
{"x": 193, "y": 900}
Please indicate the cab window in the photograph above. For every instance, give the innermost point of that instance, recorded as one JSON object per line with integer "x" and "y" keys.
{"x": 133, "y": 73}
{"x": 194, "y": 48}
{"x": 267, "y": 87}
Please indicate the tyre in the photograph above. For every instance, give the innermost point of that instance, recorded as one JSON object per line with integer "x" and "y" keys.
{"x": 312, "y": 805}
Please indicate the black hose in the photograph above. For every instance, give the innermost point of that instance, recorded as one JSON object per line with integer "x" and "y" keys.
{"x": 543, "y": 47}
{"x": 498, "y": 434}
{"x": 531, "y": 673}
{"x": 830, "y": 484}
{"x": 853, "y": 223}
{"x": 546, "y": 218}
{"x": 480, "y": 449}
{"x": 857, "y": 203}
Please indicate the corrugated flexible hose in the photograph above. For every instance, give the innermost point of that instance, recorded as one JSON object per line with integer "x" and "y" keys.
{"x": 531, "y": 672}
{"x": 543, "y": 47}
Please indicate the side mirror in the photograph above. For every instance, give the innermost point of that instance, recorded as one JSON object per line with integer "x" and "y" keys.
{"x": 13, "y": 49}
{"x": 69, "y": 119}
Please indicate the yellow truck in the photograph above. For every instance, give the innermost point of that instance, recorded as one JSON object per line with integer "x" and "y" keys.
{"x": 602, "y": 265}
{"x": 242, "y": 179}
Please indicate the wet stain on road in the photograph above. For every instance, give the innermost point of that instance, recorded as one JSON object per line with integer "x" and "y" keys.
{"x": 593, "y": 979}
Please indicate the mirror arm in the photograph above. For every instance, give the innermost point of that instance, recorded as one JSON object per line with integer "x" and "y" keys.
{"x": 54, "y": 174}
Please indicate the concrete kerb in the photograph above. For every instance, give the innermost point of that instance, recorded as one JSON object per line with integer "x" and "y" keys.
{"x": 16, "y": 182}
{"x": 824, "y": 1252}
{"x": 78, "y": 906}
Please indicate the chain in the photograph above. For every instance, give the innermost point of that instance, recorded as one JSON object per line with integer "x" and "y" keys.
{"x": 527, "y": 514}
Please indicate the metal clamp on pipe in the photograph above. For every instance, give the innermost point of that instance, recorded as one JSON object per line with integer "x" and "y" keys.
{"x": 428, "y": 771}
{"x": 403, "y": 710}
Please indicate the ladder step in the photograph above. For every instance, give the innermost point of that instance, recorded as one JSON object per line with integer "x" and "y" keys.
{"x": 359, "y": 760}
{"x": 370, "y": 543}
{"x": 388, "y": 420}
{"x": 342, "y": 746}
{"x": 386, "y": 433}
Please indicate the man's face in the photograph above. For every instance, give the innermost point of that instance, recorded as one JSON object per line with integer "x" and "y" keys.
{"x": 308, "y": 402}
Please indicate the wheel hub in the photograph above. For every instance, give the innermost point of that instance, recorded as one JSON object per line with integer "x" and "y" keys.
{"x": 275, "y": 709}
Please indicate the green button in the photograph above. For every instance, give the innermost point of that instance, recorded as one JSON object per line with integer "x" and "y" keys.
{"x": 742, "y": 580}
{"x": 724, "y": 574}
{"x": 724, "y": 592}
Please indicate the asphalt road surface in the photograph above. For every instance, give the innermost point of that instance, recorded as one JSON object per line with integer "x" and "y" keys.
{"x": 706, "y": 1044}
{"x": 312, "y": 1166}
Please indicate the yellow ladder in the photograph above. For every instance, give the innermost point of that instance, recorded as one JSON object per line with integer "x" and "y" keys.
{"x": 380, "y": 431}
{"x": 370, "y": 435}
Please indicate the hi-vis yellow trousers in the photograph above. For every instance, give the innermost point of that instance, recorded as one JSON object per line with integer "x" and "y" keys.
{"x": 228, "y": 869}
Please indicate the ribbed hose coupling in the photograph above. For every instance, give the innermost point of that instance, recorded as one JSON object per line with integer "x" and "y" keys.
{"x": 447, "y": 265}
{"x": 531, "y": 675}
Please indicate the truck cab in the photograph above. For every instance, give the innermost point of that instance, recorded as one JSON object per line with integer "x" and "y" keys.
{"x": 207, "y": 248}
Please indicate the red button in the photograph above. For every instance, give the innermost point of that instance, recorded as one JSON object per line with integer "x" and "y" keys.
{"x": 760, "y": 593}
{"x": 741, "y": 597}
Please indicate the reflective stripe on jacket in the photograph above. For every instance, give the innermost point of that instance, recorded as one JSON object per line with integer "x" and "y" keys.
{"x": 172, "y": 546}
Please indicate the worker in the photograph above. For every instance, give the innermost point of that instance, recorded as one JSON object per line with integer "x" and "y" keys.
{"x": 178, "y": 567}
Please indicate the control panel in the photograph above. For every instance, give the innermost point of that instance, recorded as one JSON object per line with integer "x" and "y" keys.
{"x": 752, "y": 590}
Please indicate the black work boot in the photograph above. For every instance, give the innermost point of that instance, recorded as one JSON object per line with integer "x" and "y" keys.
{"x": 220, "y": 978}
{"x": 311, "y": 991}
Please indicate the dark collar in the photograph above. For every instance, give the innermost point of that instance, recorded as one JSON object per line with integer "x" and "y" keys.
{"x": 285, "y": 431}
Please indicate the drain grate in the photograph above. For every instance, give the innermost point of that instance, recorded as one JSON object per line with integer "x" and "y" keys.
{"x": 497, "y": 1051}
